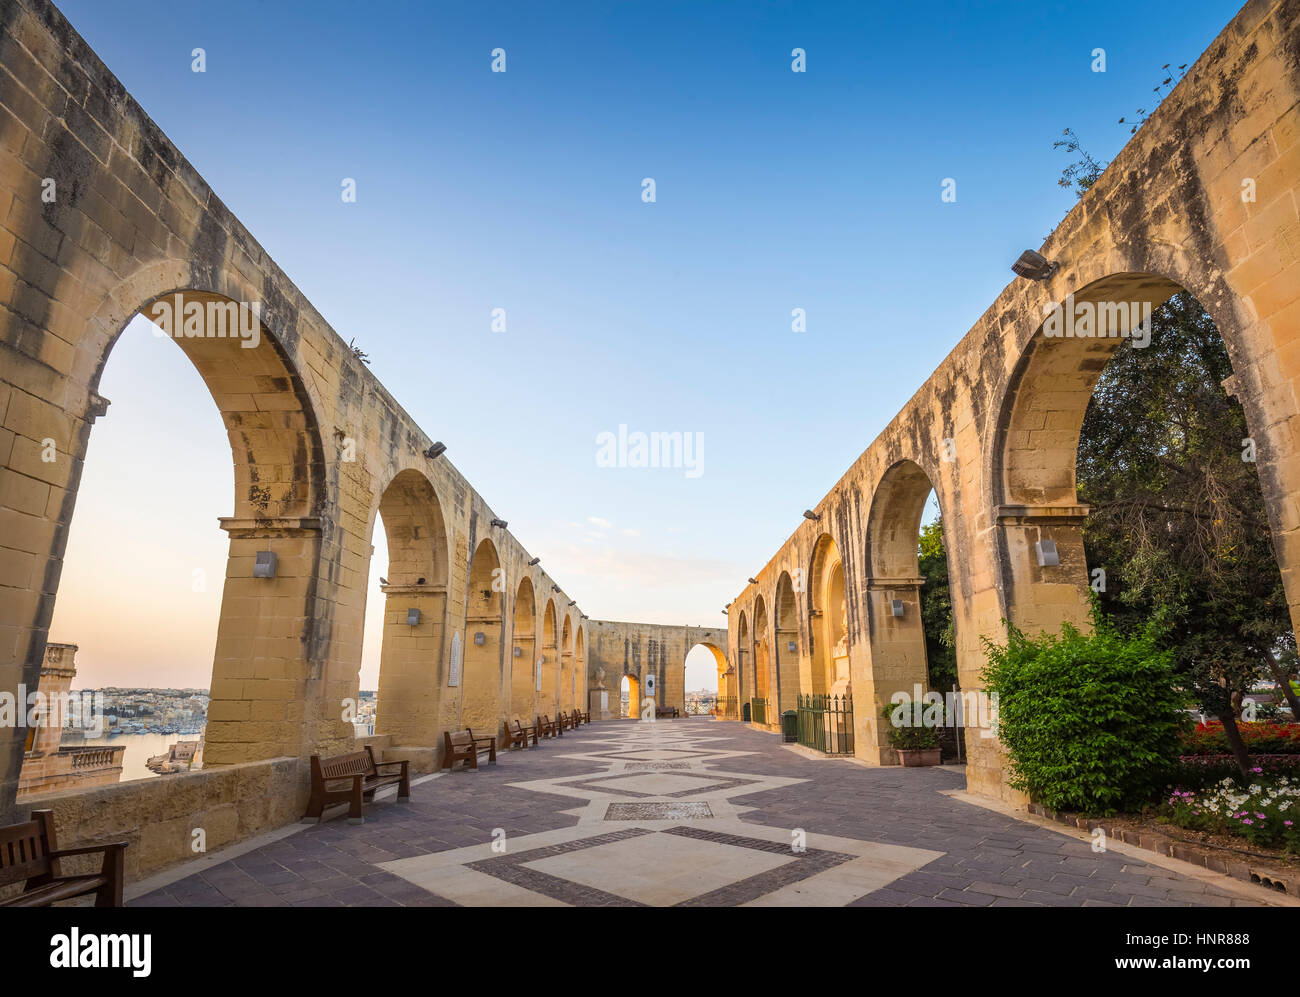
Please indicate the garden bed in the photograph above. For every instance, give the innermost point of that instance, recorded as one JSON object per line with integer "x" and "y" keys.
{"x": 1228, "y": 854}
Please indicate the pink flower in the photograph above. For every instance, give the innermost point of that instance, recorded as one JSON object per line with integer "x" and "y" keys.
{"x": 1248, "y": 821}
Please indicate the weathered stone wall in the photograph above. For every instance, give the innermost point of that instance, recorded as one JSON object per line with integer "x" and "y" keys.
{"x": 317, "y": 442}
{"x": 995, "y": 428}
{"x": 641, "y": 649}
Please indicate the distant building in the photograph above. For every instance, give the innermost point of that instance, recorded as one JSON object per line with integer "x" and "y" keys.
{"x": 48, "y": 764}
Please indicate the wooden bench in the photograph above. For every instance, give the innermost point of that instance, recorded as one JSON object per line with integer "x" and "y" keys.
{"x": 583, "y": 716}
{"x": 518, "y": 735}
{"x": 665, "y": 711}
{"x": 463, "y": 746}
{"x": 362, "y": 774}
{"x": 564, "y": 722}
{"x": 546, "y": 727}
{"x": 29, "y": 854}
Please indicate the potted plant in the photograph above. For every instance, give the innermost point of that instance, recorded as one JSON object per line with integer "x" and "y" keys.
{"x": 916, "y": 744}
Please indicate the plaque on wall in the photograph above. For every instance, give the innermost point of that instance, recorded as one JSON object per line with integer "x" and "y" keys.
{"x": 453, "y": 676}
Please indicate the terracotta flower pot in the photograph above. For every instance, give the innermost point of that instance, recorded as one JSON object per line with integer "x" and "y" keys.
{"x": 913, "y": 757}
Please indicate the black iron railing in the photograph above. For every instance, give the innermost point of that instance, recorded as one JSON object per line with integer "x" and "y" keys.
{"x": 826, "y": 723}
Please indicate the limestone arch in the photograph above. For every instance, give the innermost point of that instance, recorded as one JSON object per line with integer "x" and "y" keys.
{"x": 580, "y": 669}
{"x": 736, "y": 675}
{"x": 828, "y": 620}
{"x": 786, "y": 624}
{"x": 481, "y": 700}
{"x": 415, "y": 608}
{"x": 548, "y": 665}
{"x": 523, "y": 653}
{"x": 566, "y": 666}
{"x": 272, "y": 422}
{"x": 763, "y": 680}
{"x": 725, "y": 672}
{"x": 896, "y": 631}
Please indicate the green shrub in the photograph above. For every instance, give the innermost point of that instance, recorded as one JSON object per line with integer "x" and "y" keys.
{"x": 903, "y": 730}
{"x": 1090, "y": 722}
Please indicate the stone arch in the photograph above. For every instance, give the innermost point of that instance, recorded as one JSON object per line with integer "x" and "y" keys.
{"x": 580, "y": 670}
{"x": 828, "y": 617}
{"x": 736, "y": 675}
{"x": 549, "y": 664}
{"x": 726, "y": 676}
{"x": 763, "y": 680}
{"x": 484, "y": 623}
{"x": 1035, "y": 439}
{"x": 786, "y": 622}
{"x": 629, "y": 685}
{"x": 415, "y": 608}
{"x": 566, "y": 665}
{"x": 271, "y": 420}
{"x": 898, "y": 649}
{"x": 524, "y": 652}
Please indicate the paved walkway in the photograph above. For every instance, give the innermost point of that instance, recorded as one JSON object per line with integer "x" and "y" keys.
{"x": 686, "y": 812}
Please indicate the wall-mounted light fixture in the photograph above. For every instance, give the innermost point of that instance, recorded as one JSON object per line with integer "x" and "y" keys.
{"x": 533, "y": 561}
{"x": 264, "y": 566}
{"x": 896, "y": 607}
{"x": 809, "y": 514}
{"x": 1048, "y": 555}
{"x": 789, "y": 646}
{"x": 1034, "y": 266}
{"x": 573, "y": 602}
{"x": 753, "y": 581}
{"x": 437, "y": 450}
{"x": 724, "y": 610}
{"x": 480, "y": 637}
{"x": 500, "y": 522}
{"x": 519, "y": 652}
{"x": 412, "y": 617}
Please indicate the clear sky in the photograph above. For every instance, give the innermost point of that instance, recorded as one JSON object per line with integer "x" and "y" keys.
{"x": 523, "y": 190}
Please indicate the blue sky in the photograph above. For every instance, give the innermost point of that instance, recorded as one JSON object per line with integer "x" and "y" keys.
{"x": 522, "y": 190}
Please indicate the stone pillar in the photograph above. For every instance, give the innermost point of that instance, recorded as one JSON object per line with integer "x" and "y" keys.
{"x": 270, "y": 696}
{"x": 410, "y": 664}
{"x": 897, "y": 662}
{"x": 1037, "y": 598}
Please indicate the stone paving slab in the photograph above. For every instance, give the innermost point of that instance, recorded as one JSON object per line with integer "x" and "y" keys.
{"x": 535, "y": 829}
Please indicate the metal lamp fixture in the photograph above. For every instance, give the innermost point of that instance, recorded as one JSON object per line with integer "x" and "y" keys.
{"x": 896, "y": 607}
{"x": 519, "y": 652}
{"x": 809, "y": 514}
{"x": 264, "y": 566}
{"x": 1048, "y": 555}
{"x": 437, "y": 450}
{"x": 500, "y": 522}
{"x": 1034, "y": 266}
{"x": 790, "y": 646}
{"x": 753, "y": 581}
{"x": 480, "y": 638}
{"x": 413, "y": 617}
{"x": 533, "y": 561}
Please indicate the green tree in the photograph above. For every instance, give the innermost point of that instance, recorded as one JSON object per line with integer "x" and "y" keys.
{"x": 1178, "y": 522}
{"x": 936, "y": 608}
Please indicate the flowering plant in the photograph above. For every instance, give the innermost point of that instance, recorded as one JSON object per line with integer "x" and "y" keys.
{"x": 1265, "y": 813}
{"x": 1260, "y": 737}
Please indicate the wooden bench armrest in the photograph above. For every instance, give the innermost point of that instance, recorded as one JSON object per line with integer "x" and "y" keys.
{"x": 400, "y": 761}
{"x": 86, "y": 849}
{"x": 354, "y": 779}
